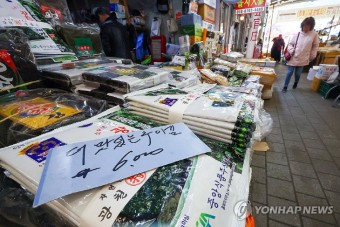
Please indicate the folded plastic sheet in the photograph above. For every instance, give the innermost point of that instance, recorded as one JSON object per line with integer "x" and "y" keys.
{"x": 27, "y": 114}
{"x": 162, "y": 195}
{"x": 127, "y": 79}
{"x": 64, "y": 76}
{"x": 17, "y": 61}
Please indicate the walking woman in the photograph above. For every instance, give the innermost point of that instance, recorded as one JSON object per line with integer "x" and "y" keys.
{"x": 302, "y": 49}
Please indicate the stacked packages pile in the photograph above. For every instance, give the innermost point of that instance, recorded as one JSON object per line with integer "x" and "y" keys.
{"x": 27, "y": 16}
{"x": 165, "y": 196}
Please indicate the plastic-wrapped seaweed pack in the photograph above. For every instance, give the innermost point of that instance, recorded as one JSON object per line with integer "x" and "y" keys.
{"x": 84, "y": 39}
{"x": 221, "y": 69}
{"x": 162, "y": 197}
{"x": 101, "y": 92}
{"x": 127, "y": 79}
{"x": 16, "y": 60}
{"x": 232, "y": 56}
{"x": 26, "y": 114}
{"x": 70, "y": 74}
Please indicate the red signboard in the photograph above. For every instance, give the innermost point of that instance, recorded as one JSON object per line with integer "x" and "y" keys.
{"x": 250, "y": 6}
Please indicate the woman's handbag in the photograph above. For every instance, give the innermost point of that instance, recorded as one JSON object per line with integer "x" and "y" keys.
{"x": 287, "y": 55}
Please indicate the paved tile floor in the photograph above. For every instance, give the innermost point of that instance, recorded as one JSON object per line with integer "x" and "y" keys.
{"x": 302, "y": 166}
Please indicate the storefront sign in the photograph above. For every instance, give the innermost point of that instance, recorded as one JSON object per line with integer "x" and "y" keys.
{"x": 317, "y": 12}
{"x": 250, "y": 6}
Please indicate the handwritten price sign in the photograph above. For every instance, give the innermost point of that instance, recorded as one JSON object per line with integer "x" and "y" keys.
{"x": 82, "y": 166}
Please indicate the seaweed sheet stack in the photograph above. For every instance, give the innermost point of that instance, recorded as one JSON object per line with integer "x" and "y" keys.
{"x": 222, "y": 113}
{"x": 117, "y": 97}
{"x": 166, "y": 196}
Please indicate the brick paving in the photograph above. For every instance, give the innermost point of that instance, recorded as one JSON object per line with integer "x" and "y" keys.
{"x": 302, "y": 166}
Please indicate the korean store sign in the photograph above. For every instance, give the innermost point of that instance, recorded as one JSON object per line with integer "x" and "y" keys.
{"x": 250, "y": 6}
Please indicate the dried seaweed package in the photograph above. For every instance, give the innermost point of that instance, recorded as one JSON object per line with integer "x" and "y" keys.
{"x": 30, "y": 113}
{"x": 66, "y": 77}
{"x": 17, "y": 63}
{"x": 84, "y": 39}
{"x": 101, "y": 92}
{"x": 127, "y": 79}
{"x": 55, "y": 11}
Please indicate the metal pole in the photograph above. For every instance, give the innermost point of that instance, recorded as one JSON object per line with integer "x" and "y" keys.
{"x": 270, "y": 31}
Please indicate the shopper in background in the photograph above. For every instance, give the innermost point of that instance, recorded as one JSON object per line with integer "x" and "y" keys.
{"x": 114, "y": 35}
{"x": 276, "y": 50}
{"x": 303, "y": 48}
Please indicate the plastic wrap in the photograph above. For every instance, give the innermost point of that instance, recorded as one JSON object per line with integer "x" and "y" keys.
{"x": 27, "y": 114}
{"x": 127, "y": 79}
{"x": 84, "y": 39}
{"x": 157, "y": 197}
{"x": 16, "y": 59}
{"x": 16, "y": 207}
{"x": 232, "y": 56}
{"x": 264, "y": 125}
{"x": 219, "y": 61}
{"x": 210, "y": 77}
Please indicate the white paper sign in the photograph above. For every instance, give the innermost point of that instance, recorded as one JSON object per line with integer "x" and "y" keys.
{"x": 86, "y": 165}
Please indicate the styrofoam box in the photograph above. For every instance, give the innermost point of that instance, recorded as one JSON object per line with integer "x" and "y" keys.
{"x": 211, "y": 3}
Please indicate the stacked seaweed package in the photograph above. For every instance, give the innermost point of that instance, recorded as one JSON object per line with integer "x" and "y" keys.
{"x": 165, "y": 196}
{"x": 218, "y": 112}
{"x": 26, "y": 114}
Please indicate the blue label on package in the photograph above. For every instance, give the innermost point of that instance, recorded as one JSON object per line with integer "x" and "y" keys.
{"x": 39, "y": 151}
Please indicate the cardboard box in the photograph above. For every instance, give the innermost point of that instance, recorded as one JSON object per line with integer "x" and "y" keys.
{"x": 315, "y": 84}
{"x": 211, "y": 3}
{"x": 207, "y": 13}
{"x": 192, "y": 30}
{"x": 191, "y": 19}
{"x": 208, "y": 26}
{"x": 195, "y": 39}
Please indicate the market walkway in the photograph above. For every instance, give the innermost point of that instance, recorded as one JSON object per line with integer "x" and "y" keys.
{"x": 302, "y": 166}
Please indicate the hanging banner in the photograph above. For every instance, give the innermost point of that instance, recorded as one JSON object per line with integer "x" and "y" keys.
{"x": 250, "y": 6}
{"x": 252, "y": 39}
{"x": 317, "y": 12}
